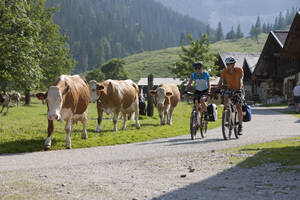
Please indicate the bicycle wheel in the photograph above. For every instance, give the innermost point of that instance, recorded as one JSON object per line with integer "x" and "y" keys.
{"x": 203, "y": 127}
{"x": 236, "y": 125}
{"x": 193, "y": 125}
{"x": 226, "y": 125}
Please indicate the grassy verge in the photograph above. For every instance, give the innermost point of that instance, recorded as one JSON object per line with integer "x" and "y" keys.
{"x": 286, "y": 152}
{"x": 24, "y": 129}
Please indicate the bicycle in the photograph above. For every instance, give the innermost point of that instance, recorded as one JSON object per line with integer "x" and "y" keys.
{"x": 197, "y": 120}
{"x": 230, "y": 115}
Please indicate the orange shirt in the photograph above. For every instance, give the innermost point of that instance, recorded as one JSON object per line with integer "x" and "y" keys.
{"x": 233, "y": 80}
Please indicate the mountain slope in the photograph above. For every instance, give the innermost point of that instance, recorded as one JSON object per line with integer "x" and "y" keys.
{"x": 157, "y": 62}
{"x": 99, "y": 30}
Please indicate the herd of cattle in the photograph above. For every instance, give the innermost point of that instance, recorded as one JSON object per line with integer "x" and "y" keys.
{"x": 8, "y": 100}
{"x": 68, "y": 98}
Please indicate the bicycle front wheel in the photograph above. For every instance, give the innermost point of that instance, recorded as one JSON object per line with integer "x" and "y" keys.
{"x": 236, "y": 123}
{"x": 226, "y": 125}
{"x": 203, "y": 127}
{"x": 193, "y": 125}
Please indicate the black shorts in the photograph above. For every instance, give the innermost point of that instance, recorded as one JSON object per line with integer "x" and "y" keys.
{"x": 198, "y": 94}
{"x": 297, "y": 99}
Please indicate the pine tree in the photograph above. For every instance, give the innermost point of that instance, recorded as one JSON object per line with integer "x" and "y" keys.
{"x": 239, "y": 33}
{"x": 219, "y": 33}
{"x": 182, "y": 39}
{"x": 231, "y": 34}
{"x": 281, "y": 22}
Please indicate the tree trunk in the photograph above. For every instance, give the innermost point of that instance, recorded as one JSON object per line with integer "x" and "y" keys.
{"x": 27, "y": 97}
{"x": 150, "y": 100}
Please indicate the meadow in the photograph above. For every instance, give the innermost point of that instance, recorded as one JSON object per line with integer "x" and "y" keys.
{"x": 24, "y": 129}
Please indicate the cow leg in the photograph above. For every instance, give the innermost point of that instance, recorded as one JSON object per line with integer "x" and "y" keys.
{"x": 115, "y": 120}
{"x": 84, "y": 133}
{"x": 165, "y": 116}
{"x": 170, "y": 116}
{"x": 124, "y": 122}
{"x": 68, "y": 129}
{"x": 2, "y": 108}
{"x": 47, "y": 144}
{"x": 100, "y": 116}
{"x": 136, "y": 113}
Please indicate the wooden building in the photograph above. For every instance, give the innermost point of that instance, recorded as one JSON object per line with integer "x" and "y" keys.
{"x": 267, "y": 78}
{"x": 278, "y": 68}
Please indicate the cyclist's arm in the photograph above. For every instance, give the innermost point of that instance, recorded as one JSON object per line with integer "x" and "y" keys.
{"x": 221, "y": 82}
{"x": 208, "y": 84}
{"x": 241, "y": 79}
{"x": 188, "y": 85}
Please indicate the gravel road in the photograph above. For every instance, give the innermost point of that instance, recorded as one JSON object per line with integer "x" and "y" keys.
{"x": 171, "y": 168}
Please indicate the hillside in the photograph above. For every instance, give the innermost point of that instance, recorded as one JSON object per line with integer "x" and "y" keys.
{"x": 100, "y": 30}
{"x": 157, "y": 62}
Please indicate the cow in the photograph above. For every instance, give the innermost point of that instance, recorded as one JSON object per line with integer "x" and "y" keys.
{"x": 15, "y": 98}
{"x": 166, "y": 97}
{"x": 114, "y": 96}
{"x": 67, "y": 99}
{"x": 4, "y": 101}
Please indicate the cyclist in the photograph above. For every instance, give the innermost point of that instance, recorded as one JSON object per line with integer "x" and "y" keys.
{"x": 232, "y": 76}
{"x": 202, "y": 86}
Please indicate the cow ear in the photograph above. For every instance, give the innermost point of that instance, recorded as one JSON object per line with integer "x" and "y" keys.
{"x": 169, "y": 94}
{"x": 152, "y": 92}
{"x": 41, "y": 95}
{"x": 66, "y": 90}
{"x": 99, "y": 87}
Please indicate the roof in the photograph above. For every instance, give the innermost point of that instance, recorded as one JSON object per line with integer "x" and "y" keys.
{"x": 158, "y": 81}
{"x": 239, "y": 56}
{"x": 280, "y": 36}
{"x": 251, "y": 61}
{"x": 292, "y": 44}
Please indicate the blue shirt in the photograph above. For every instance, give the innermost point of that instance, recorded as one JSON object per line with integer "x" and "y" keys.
{"x": 200, "y": 83}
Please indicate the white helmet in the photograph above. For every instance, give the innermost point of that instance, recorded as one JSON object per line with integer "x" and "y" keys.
{"x": 230, "y": 60}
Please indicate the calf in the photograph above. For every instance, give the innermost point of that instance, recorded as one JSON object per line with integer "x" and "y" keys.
{"x": 67, "y": 99}
{"x": 166, "y": 98}
{"x": 15, "y": 98}
{"x": 142, "y": 105}
{"x": 114, "y": 96}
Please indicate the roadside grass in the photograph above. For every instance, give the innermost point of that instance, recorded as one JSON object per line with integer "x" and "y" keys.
{"x": 292, "y": 113}
{"x": 273, "y": 105}
{"x": 24, "y": 129}
{"x": 286, "y": 152}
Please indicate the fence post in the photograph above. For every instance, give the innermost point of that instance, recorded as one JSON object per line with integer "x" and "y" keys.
{"x": 150, "y": 100}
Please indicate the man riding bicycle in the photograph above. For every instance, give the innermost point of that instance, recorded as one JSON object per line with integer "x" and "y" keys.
{"x": 232, "y": 77}
{"x": 202, "y": 86}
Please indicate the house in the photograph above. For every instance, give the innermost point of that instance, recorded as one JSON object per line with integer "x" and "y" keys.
{"x": 278, "y": 68}
{"x": 290, "y": 59}
{"x": 267, "y": 78}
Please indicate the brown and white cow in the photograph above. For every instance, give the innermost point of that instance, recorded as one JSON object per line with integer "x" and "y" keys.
{"x": 4, "y": 101}
{"x": 166, "y": 98}
{"x": 67, "y": 99}
{"x": 115, "y": 96}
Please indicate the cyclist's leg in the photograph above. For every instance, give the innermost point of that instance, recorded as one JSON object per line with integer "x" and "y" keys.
{"x": 202, "y": 102}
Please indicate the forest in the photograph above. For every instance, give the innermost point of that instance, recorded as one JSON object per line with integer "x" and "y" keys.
{"x": 100, "y": 30}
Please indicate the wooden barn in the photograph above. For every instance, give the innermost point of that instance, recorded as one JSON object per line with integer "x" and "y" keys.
{"x": 278, "y": 68}
{"x": 267, "y": 78}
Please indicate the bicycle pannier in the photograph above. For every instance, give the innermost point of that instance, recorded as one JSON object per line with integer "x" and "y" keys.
{"x": 212, "y": 110}
{"x": 246, "y": 113}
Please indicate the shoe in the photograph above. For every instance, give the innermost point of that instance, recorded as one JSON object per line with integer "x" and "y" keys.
{"x": 240, "y": 129}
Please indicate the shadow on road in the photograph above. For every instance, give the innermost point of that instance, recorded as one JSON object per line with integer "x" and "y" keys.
{"x": 241, "y": 182}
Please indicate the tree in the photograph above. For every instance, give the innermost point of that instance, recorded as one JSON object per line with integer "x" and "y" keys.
{"x": 231, "y": 34}
{"x": 182, "y": 39}
{"x": 198, "y": 50}
{"x": 219, "y": 33}
{"x": 95, "y": 74}
{"x": 239, "y": 33}
{"x": 114, "y": 69}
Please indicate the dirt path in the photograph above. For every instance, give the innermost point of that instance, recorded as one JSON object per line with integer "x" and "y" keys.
{"x": 172, "y": 168}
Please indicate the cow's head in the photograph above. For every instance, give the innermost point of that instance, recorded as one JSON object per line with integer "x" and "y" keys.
{"x": 160, "y": 97}
{"x": 95, "y": 90}
{"x": 54, "y": 99}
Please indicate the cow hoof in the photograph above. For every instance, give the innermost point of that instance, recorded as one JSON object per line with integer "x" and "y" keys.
{"x": 47, "y": 148}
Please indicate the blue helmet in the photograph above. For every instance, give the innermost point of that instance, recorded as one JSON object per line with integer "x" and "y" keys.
{"x": 230, "y": 60}
{"x": 198, "y": 64}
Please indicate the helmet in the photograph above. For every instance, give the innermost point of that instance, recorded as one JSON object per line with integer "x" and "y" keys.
{"x": 230, "y": 60}
{"x": 198, "y": 64}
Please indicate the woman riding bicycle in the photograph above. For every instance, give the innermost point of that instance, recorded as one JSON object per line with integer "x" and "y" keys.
{"x": 202, "y": 86}
{"x": 233, "y": 76}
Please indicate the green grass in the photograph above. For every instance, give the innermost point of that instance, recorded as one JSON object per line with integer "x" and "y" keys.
{"x": 24, "y": 129}
{"x": 292, "y": 113}
{"x": 157, "y": 62}
{"x": 286, "y": 152}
